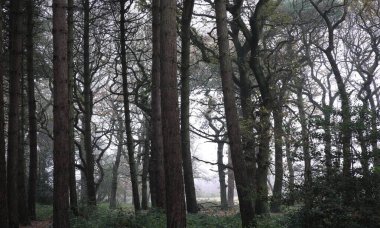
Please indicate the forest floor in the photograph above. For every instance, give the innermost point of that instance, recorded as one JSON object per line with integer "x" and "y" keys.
{"x": 210, "y": 215}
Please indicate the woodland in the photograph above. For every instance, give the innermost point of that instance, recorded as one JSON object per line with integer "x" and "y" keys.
{"x": 103, "y": 104}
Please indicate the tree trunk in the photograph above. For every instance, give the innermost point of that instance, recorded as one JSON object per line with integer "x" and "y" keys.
{"x": 32, "y": 114}
{"x": 21, "y": 180}
{"x": 243, "y": 185}
{"x": 262, "y": 206}
{"x": 279, "y": 171}
{"x": 346, "y": 119}
{"x": 61, "y": 117}
{"x": 175, "y": 200}
{"x": 157, "y": 156}
{"x": 70, "y": 62}
{"x": 361, "y": 128}
{"x": 257, "y": 22}
{"x": 191, "y": 201}
{"x": 87, "y": 114}
{"x": 131, "y": 157}
{"x": 115, "y": 167}
{"x": 15, "y": 72}
{"x": 222, "y": 177}
{"x": 289, "y": 162}
{"x": 231, "y": 182}
{"x": 305, "y": 147}
{"x": 3, "y": 171}
{"x": 327, "y": 140}
{"x": 144, "y": 176}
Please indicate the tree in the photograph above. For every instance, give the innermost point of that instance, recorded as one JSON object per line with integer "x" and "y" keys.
{"x": 88, "y": 104}
{"x": 3, "y": 170}
{"x": 116, "y": 165}
{"x": 32, "y": 114}
{"x": 191, "y": 201}
{"x": 175, "y": 201}
{"x": 344, "y": 96}
{"x": 131, "y": 157}
{"x": 61, "y": 117}
{"x": 157, "y": 162}
{"x": 243, "y": 185}
{"x": 15, "y": 70}
{"x": 70, "y": 65}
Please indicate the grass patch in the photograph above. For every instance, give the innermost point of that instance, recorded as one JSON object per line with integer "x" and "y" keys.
{"x": 124, "y": 216}
{"x": 44, "y": 212}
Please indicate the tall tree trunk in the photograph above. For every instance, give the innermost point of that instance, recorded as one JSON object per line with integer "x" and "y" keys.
{"x": 374, "y": 134}
{"x": 32, "y": 114}
{"x": 327, "y": 140}
{"x": 175, "y": 200}
{"x": 248, "y": 139}
{"x": 305, "y": 146}
{"x": 144, "y": 176}
{"x": 15, "y": 72}
{"x": 191, "y": 201}
{"x": 61, "y": 117}
{"x": 70, "y": 62}
{"x": 21, "y": 180}
{"x": 289, "y": 162}
{"x": 279, "y": 171}
{"x": 361, "y": 137}
{"x": 127, "y": 114}
{"x": 87, "y": 94}
{"x": 222, "y": 177}
{"x": 243, "y": 185}
{"x": 262, "y": 206}
{"x": 157, "y": 155}
{"x": 115, "y": 168}
{"x": 257, "y": 22}
{"x": 3, "y": 171}
{"x": 231, "y": 182}
{"x": 344, "y": 96}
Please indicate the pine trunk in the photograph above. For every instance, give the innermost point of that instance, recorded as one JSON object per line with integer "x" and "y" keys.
{"x": 3, "y": 171}
{"x": 15, "y": 72}
{"x": 61, "y": 117}
{"x": 175, "y": 200}
{"x": 157, "y": 156}
{"x": 32, "y": 114}
{"x": 70, "y": 62}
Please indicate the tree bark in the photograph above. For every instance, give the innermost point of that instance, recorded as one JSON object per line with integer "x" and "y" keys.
{"x": 222, "y": 177}
{"x": 131, "y": 157}
{"x": 243, "y": 185}
{"x": 61, "y": 117}
{"x": 87, "y": 114}
{"x": 257, "y": 22}
{"x": 144, "y": 176}
{"x": 175, "y": 200}
{"x": 157, "y": 155}
{"x": 70, "y": 62}
{"x": 115, "y": 167}
{"x": 21, "y": 179}
{"x": 279, "y": 171}
{"x": 289, "y": 162}
{"x": 32, "y": 114}
{"x": 191, "y": 201}
{"x": 15, "y": 72}
{"x": 305, "y": 146}
{"x": 3, "y": 171}
{"x": 231, "y": 182}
